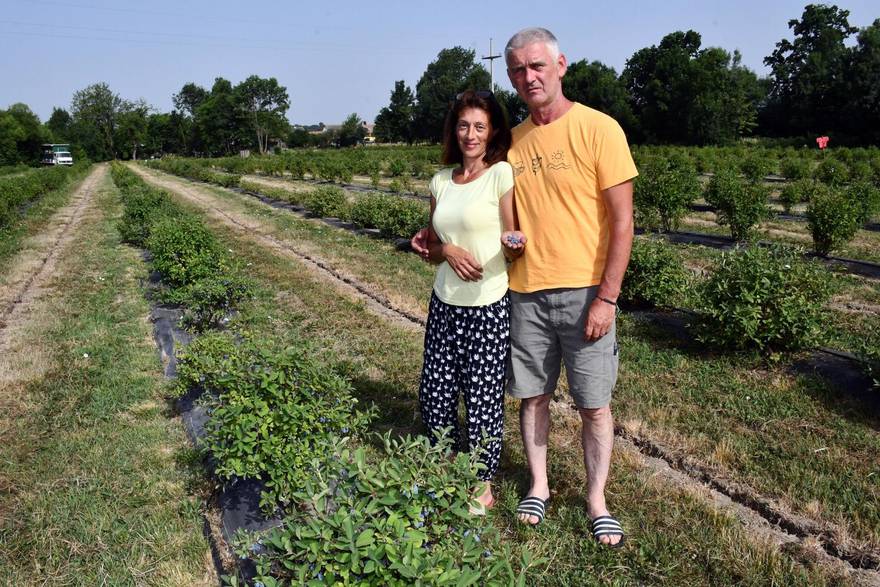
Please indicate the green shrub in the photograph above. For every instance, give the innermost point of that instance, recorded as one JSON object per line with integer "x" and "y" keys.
{"x": 763, "y": 299}
{"x": 755, "y": 166}
{"x": 795, "y": 168}
{"x": 369, "y": 210}
{"x": 831, "y": 171}
{"x": 400, "y": 518}
{"x": 865, "y": 196}
{"x": 206, "y": 362}
{"x": 833, "y": 219}
{"x": 275, "y": 413}
{"x": 328, "y": 201}
{"x": 404, "y": 218}
{"x": 397, "y": 167}
{"x": 208, "y": 301}
{"x": 655, "y": 276}
{"x": 796, "y": 193}
{"x": 184, "y": 251}
{"x": 664, "y": 193}
{"x": 860, "y": 171}
{"x": 737, "y": 204}
{"x": 143, "y": 205}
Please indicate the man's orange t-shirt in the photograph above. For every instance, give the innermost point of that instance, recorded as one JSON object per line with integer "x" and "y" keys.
{"x": 560, "y": 170}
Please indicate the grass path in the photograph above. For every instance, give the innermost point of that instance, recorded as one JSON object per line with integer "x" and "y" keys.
{"x": 677, "y": 534}
{"x": 96, "y": 481}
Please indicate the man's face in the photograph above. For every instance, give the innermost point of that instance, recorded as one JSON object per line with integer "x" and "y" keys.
{"x": 535, "y": 75}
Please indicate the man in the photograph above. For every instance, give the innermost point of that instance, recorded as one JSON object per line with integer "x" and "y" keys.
{"x": 573, "y": 193}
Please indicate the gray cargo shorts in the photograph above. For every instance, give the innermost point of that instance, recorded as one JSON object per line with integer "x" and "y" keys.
{"x": 547, "y": 329}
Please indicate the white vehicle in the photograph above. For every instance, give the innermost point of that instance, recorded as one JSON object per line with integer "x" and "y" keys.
{"x": 56, "y": 154}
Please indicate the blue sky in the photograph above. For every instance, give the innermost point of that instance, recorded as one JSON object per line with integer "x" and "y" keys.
{"x": 336, "y": 58}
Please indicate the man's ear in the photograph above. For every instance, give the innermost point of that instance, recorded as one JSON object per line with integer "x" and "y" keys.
{"x": 562, "y": 64}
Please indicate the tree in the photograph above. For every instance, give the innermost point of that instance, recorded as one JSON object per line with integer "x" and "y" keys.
{"x": 59, "y": 125}
{"x": 862, "y": 117}
{"x": 352, "y": 131}
{"x": 28, "y": 133}
{"x": 10, "y": 133}
{"x": 687, "y": 95}
{"x": 809, "y": 72}
{"x": 596, "y": 85}
{"x": 95, "y": 110}
{"x": 189, "y": 98}
{"x": 265, "y": 103}
{"x": 132, "y": 126}
{"x": 395, "y": 122}
{"x": 454, "y": 71}
{"x": 517, "y": 110}
{"x": 219, "y": 121}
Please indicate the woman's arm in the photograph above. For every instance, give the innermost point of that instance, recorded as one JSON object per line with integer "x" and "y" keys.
{"x": 512, "y": 239}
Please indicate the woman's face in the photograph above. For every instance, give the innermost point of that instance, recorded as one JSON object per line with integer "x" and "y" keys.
{"x": 474, "y": 131}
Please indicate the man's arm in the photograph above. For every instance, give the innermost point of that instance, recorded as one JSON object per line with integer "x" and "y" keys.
{"x": 619, "y": 206}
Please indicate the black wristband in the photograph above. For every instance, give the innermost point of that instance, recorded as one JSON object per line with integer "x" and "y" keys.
{"x": 607, "y": 301}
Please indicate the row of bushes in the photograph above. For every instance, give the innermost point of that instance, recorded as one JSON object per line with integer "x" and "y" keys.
{"x": 358, "y": 508}
{"x": 197, "y": 272}
{"x": 666, "y": 189}
{"x": 755, "y": 298}
{"x": 758, "y": 299}
{"x": 20, "y": 189}
{"x": 832, "y": 165}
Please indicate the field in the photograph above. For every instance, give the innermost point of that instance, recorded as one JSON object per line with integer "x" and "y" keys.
{"x": 754, "y": 465}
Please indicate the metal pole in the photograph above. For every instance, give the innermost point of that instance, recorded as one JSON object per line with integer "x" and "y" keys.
{"x": 490, "y": 57}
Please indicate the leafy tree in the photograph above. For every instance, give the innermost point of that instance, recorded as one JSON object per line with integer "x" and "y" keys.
{"x": 683, "y": 94}
{"x": 517, "y": 110}
{"x": 807, "y": 91}
{"x": 265, "y": 104}
{"x": 10, "y": 133}
{"x": 862, "y": 113}
{"x": 453, "y": 71}
{"x": 352, "y": 131}
{"x": 95, "y": 112}
{"x": 395, "y": 122}
{"x": 596, "y": 85}
{"x": 190, "y": 98}
{"x": 219, "y": 121}
{"x": 59, "y": 124}
{"x": 26, "y": 133}
{"x": 132, "y": 126}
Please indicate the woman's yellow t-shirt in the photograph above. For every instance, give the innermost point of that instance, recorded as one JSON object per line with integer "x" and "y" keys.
{"x": 469, "y": 216}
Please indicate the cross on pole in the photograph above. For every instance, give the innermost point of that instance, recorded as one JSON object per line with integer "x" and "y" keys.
{"x": 490, "y": 57}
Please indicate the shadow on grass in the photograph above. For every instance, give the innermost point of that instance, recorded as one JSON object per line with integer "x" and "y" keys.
{"x": 841, "y": 387}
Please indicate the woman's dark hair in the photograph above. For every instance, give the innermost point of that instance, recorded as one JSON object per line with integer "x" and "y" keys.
{"x": 499, "y": 142}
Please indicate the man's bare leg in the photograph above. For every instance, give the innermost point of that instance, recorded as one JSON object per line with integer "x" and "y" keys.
{"x": 534, "y": 424}
{"x": 597, "y": 437}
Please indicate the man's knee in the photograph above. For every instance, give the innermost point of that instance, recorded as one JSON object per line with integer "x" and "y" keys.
{"x": 537, "y": 403}
{"x": 595, "y": 415}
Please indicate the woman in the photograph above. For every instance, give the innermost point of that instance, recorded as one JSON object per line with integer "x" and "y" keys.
{"x": 467, "y": 335}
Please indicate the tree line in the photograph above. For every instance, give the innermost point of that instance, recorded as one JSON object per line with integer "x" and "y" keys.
{"x": 679, "y": 92}
{"x": 822, "y": 82}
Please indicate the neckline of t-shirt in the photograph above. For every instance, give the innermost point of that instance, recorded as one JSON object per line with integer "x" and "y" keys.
{"x": 473, "y": 181}
{"x": 553, "y": 122}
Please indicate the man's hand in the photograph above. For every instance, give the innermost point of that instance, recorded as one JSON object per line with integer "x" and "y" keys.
{"x": 463, "y": 263}
{"x": 514, "y": 243}
{"x": 599, "y": 319}
{"x": 419, "y": 243}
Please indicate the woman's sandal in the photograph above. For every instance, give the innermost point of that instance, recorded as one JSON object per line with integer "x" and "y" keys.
{"x": 532, "y": 506}
{"x": 607, "y": 526}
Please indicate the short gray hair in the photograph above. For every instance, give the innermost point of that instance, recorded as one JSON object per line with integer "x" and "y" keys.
{"x": 532, "y": 35}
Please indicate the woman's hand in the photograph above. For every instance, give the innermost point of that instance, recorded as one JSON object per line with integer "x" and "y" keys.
{"x": 514, "y": 243}
{"x": 463, "y": 263}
